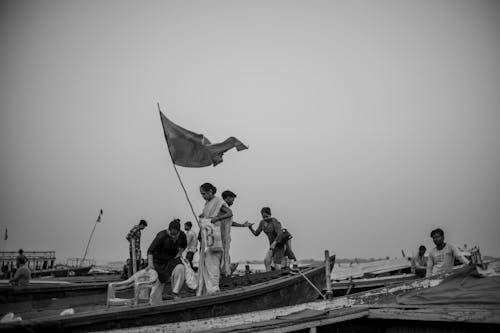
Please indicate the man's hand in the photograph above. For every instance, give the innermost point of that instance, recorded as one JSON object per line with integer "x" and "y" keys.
{"x": 247, "y": 224}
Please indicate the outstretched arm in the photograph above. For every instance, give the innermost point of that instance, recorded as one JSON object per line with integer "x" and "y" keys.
{"x": 245, "y": 224}
{"x": 255, "y": 232}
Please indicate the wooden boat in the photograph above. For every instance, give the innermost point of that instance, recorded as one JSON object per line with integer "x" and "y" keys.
{"x": 366, "y": 276}
{"x": 62, "y": 272}
{"x": 353, "y": 286}
{"x": 42, "y": 263}
{"x": 453, "y": 302}
{"x": 376, "y": 274}
{"x": 239, "y": 294}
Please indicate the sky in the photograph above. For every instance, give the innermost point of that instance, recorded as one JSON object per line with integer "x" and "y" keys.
{"x": 370, "y": 123}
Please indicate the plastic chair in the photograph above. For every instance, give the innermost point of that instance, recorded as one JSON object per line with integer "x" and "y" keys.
{"x": 143, "y": 282}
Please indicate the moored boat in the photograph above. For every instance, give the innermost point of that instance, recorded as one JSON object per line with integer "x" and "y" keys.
{"x": 238, "y": 295}
{"x": 42, "y": 263}
{"x": 453, "y": 302}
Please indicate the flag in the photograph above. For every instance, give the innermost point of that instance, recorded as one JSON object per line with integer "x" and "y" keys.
{"x": 99, "y": 217}
{"x": 6, "y": 234}
{"x": 189, "y": 149}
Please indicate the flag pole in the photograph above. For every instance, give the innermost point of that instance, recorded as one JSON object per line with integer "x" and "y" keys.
{"x": 90, "y": 238}
{"x": 201, "y": 263}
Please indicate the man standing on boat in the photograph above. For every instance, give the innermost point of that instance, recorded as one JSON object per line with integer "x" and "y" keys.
{"x": 228, "y": 197}
{"x": 419, "y": 262}
{"x": 21, "y": 255}
{"x": 272, "y": 229}
{"x": 192, "y": 243}
{"x": 442, "y": 257}
{"x": 135, "y": 248}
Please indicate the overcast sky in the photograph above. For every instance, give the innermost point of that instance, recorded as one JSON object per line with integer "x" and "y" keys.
{"x": 370, "y": 123}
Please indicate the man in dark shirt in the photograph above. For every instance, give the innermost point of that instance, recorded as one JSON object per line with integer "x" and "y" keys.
{"x": 21, "y": 256}
{"x": 272, "y": 228}
{"x": 164, "y": 256}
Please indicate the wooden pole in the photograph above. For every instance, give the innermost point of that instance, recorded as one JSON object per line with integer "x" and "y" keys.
{"x": 329, "y": 293}
{"x": 90, "y": 238}
{"x": 201, "y": 263}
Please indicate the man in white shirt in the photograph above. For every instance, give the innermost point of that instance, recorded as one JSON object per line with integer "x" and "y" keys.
{"x": 442, "y": 257}
{"x": 192, "y": 242}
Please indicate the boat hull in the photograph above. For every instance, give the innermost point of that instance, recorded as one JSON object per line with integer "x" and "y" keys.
{"x": 62, "y": 272}
{"x": 281, "y": 291}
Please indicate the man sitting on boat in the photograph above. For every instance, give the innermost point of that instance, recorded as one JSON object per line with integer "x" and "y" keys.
{"x": 164, "y": 256}
{"x": 419, "y": 262}
{"x": 22, "y": 276}
{"x": 442, "y": 257}
{"x": 272, "y": 229}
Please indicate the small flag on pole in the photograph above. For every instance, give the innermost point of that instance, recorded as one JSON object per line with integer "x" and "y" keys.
{"x": 99, "y": 217}
{"x": 189, "y": 149}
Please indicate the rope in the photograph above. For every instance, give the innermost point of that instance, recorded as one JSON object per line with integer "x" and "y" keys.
{"x": 309, "y": 281}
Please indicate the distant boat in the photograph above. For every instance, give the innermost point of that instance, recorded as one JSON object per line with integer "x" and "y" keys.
{"x": 252, "y": 292}
{"x": 42, "y": 263}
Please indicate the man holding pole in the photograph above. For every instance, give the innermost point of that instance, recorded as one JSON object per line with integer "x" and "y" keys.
{"x": 134, "y": 248}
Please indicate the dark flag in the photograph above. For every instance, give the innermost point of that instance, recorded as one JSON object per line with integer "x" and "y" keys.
{"x": 6, "y": 234}
{"x": 192, "y": 150}
{"x": 99, "y": 217}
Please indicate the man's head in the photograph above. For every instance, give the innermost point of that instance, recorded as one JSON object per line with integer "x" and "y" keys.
{"x": 143, "y": 224}
{"x": 20, "y": 251}
{"x": 174, "y": 227}
{"x": 265, "y": 212}
{"x": 437, "y": 236}
{"x": 421, "y": 250}
{"x": 228, "y": 197}
{"x": 188, "y": 225}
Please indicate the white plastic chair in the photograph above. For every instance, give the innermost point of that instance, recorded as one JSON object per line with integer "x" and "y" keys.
{"x": 143, "y": 282}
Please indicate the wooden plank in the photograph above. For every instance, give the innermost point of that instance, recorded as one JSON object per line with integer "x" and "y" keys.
{"x": 439, "y": 313}
{"x": 259, "y": 320}
{"x": 281, "y": 326}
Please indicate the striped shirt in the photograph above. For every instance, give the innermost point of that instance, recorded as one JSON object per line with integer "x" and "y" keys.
{"x": 441, "y": 261}
{"x": 135, "y": 234}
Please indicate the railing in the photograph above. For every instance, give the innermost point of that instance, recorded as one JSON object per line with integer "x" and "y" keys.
{"x": 78, "y": 262}
{"x": 37, "y": 260}
{"x": 31, "y": 255}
